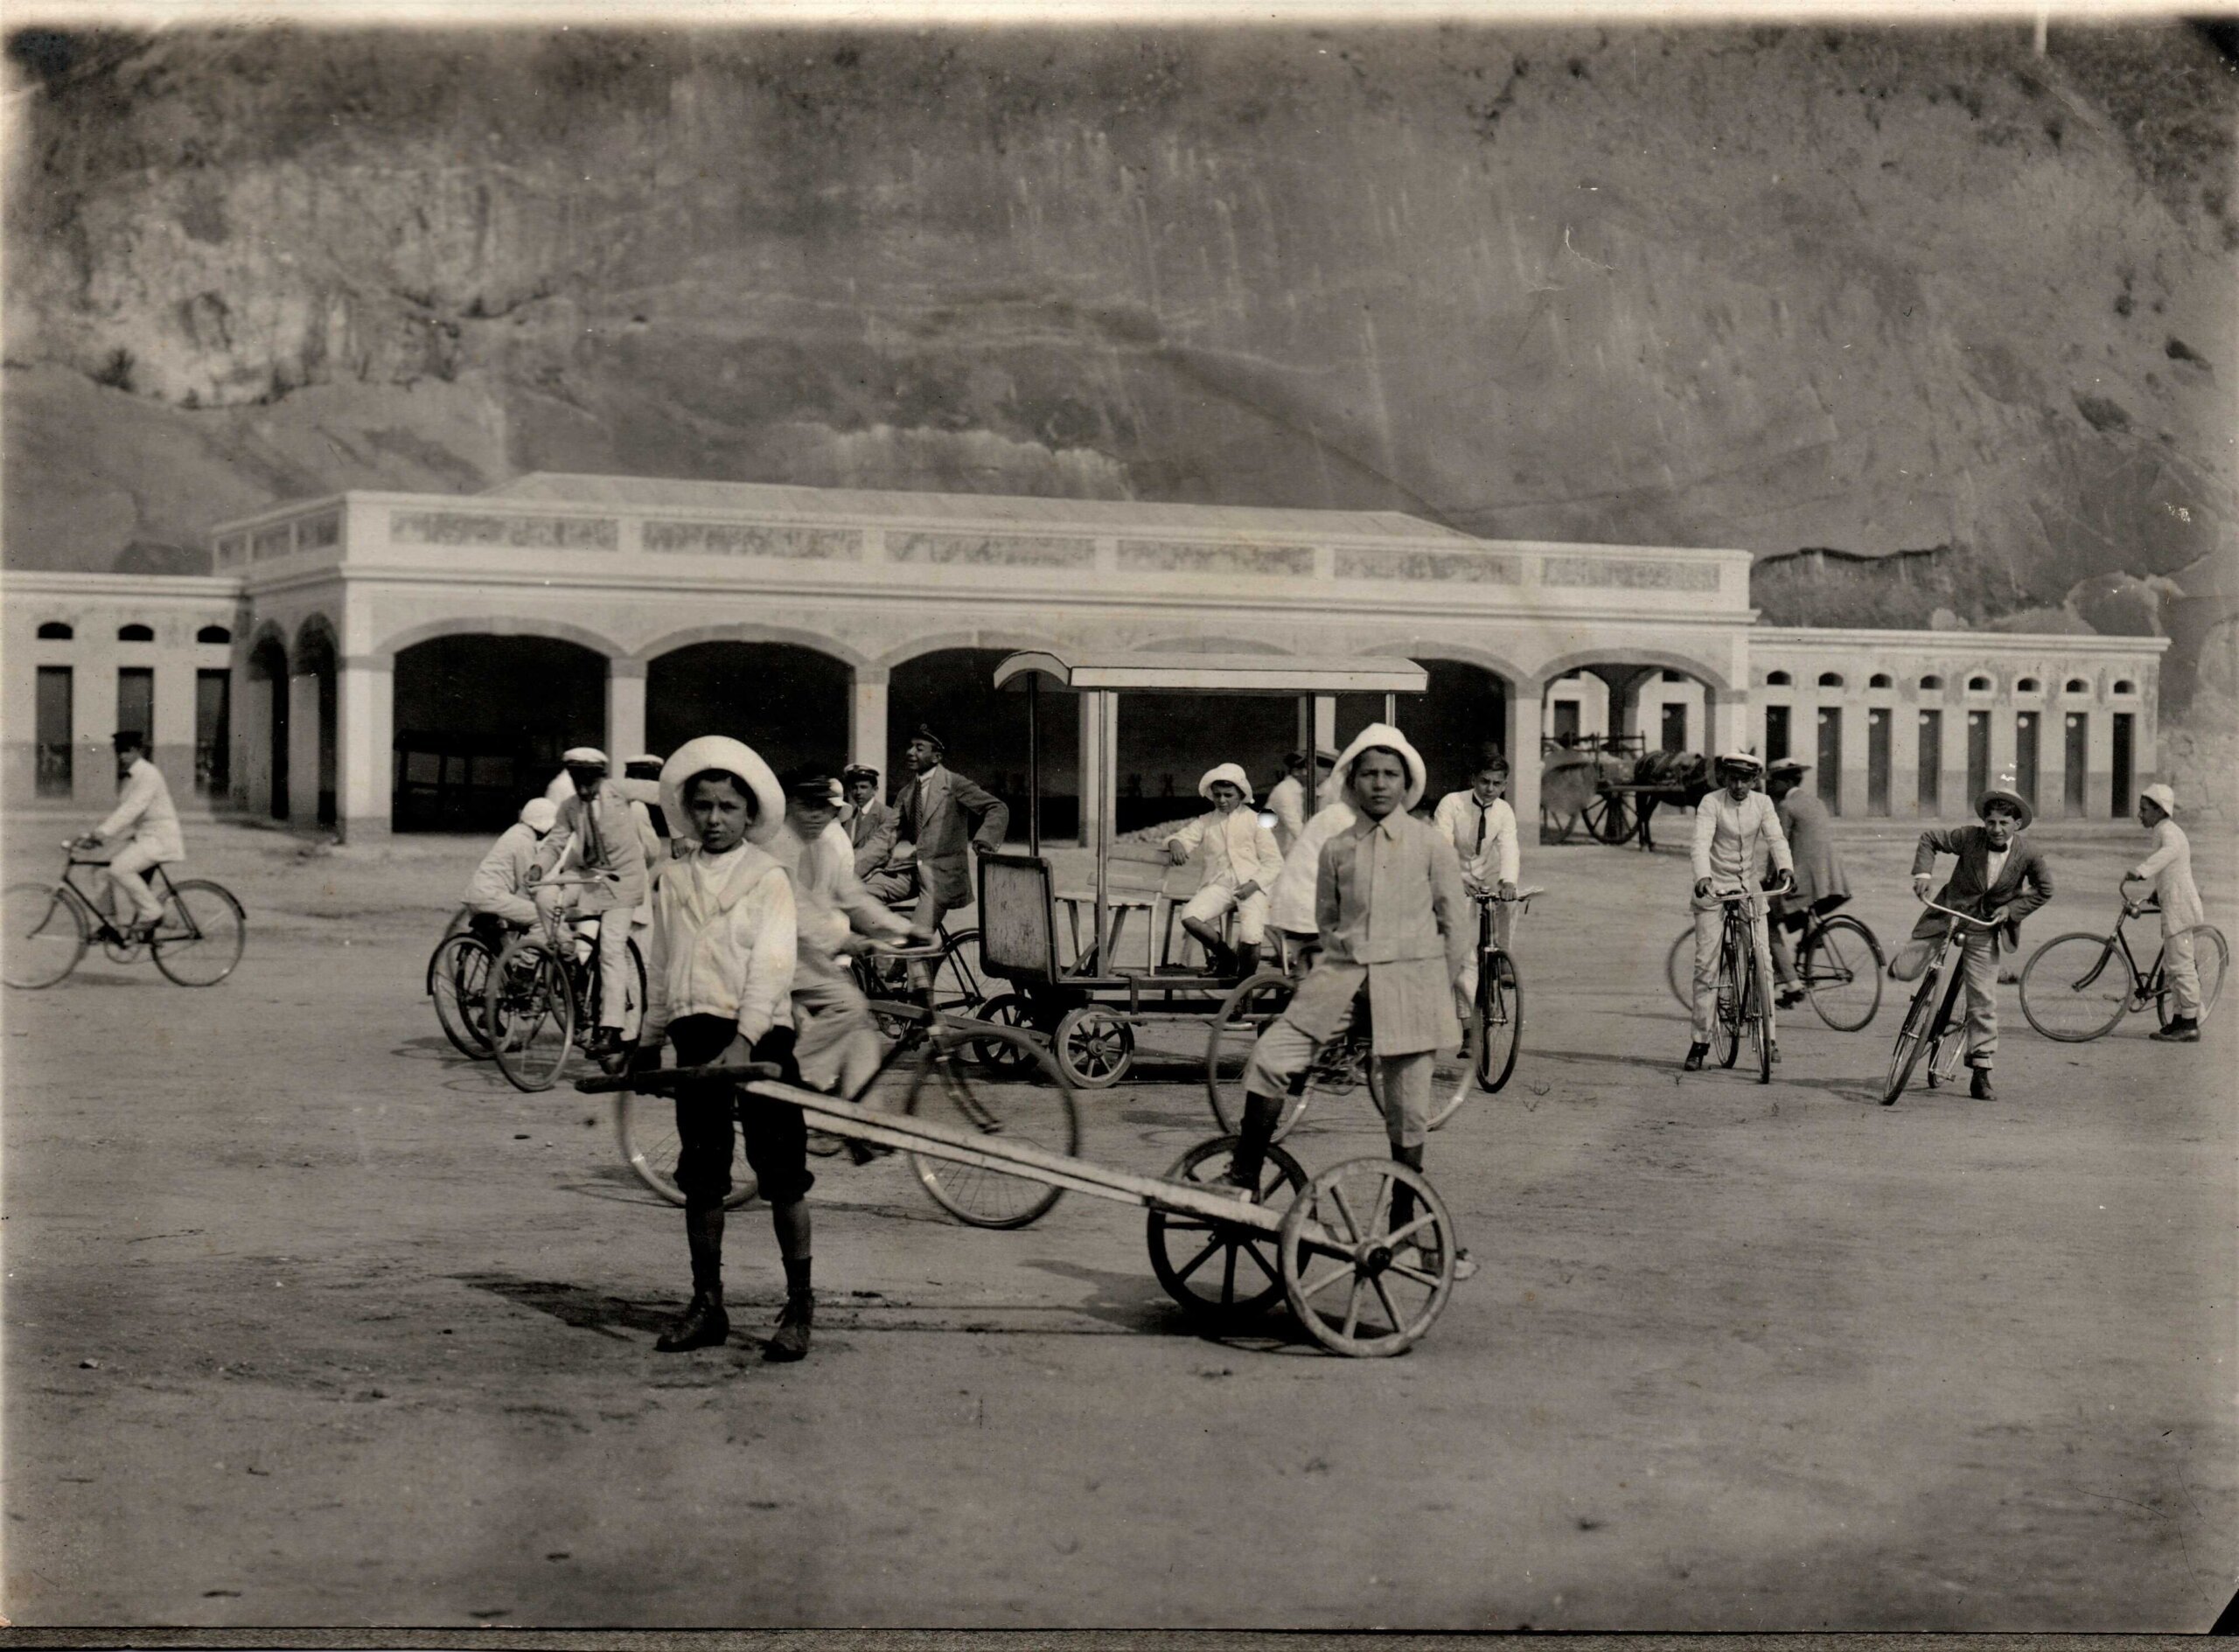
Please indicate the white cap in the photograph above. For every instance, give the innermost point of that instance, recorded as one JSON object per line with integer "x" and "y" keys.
{"x": 538, "y": 815}
{"x": 588, "y": 757}
{"x": 2162, "y": 795}
{"x": 1746, "y": 759}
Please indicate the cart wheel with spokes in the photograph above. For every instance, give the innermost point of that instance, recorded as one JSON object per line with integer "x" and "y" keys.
{"x": 1222, "y": 1274}
{"x": 1361, "y": 1284}
{"x": 1095, "y": 1047}
{"x": 1610, "y": 817}
{"x": 1004, "y": 1055}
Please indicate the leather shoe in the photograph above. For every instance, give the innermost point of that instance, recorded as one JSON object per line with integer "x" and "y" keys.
{"x": 792, "y": 1340}
{"x": 2184, "y": 1030}
{"x": 702, "y": 1324}
{"x": 1695, "y": 1054}
{"x": 1978, "y": 1087}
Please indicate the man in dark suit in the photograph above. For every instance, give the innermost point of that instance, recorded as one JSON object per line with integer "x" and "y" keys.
{"x": 1999, "y": 875}
{"x": 933, "y": 813}
{"x": 870, "y": 827}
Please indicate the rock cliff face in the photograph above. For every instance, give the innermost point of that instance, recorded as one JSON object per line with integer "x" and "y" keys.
{"x": 1858, "y": 290}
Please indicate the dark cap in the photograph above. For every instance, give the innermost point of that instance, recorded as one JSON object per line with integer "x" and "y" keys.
{"x": 856, "y": 771}
{"x": 930, "y": 738}
{"x": 129, "y": 740}
{"x": 808, "y": 781}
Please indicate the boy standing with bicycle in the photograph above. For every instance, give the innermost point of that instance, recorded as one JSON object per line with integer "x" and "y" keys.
{"x": 1482, "y": 827}
{"x": 1399, "y": 939}
{"x": 1737, "y": 830}
{"x": 719, "y": 980}
{"x": 2169, "y": 869}
{"x": 1994, "y": 863}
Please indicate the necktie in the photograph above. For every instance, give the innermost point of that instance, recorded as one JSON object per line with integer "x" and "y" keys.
{"x": 1480, "y": 848}
{"x": 593, "y": 846}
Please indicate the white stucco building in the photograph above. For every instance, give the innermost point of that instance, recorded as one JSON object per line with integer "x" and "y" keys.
{"x": 388, "y": 661}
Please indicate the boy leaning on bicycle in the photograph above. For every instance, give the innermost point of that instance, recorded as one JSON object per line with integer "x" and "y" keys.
{"x": 1999, "y": 875}
{"x": 1737, "y": 830}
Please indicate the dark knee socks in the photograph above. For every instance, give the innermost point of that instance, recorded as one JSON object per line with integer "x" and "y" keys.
{"x": 1403, "y": 1196}
{"x": 703, "y": 1233}
{"x": 1261, "y": 1115}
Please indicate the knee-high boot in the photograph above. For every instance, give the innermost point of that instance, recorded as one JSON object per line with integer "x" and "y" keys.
{"x": 1403, "y": 1196}
{"x": 1261, "y": 1115}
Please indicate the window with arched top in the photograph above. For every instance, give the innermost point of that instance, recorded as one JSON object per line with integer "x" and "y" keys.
{"x": 1777, "y": 679}
{"x": 2077, "y": 686}
{"x": 1931, "y": 681}
{"x": 1978, "y": 685}
{"x": 2026, "y": 686}
{"x": 2126, "y": 687}
{"x": 1831, "y": 680}
{"x": 136, "y": 633}
{"x": 55, "y": 631}
{"x": 214, "y": 634}
{"x": 1880, "y": 680}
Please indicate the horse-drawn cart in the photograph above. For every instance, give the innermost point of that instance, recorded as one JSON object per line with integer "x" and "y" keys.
{"x": 1614, "y": 794}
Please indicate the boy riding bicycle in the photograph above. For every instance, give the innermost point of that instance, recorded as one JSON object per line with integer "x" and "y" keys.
{"x": 1737, "y": 830}
{"x": 1398, "y": 938}
{"x": 596, "y": 832}
{"x": 144, "y": 808}
{"x": 1994, "y": 862}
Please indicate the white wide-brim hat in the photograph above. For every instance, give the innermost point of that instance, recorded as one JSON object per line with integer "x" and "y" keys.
{"x": 2162, "y": 795}
{"x": 538, "y": 814}
{"x": 2004, "y": 788}
{"x": 1231, "y": 772}
{"x": 732, "y": 757}
{"x": 1383, "y": 734}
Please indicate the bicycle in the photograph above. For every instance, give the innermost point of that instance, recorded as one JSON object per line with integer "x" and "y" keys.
{"x": 458, "y": 979}
{"x": 45, "y": 929}
{"x": 1491, "y": 1036}
{"x": 1839, "y": 964}
{"x": 1928, "y": 1025}
{"x": 1027, "y": 1099}
{"x": 2069, "y": 993}
{"x": 1744, "y": 997}
{"x": 542, "y": 997}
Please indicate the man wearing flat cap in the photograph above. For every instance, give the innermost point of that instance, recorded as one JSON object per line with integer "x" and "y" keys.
{"x": 598, "y": 837}
{"x": 870, "y": 825}
{"x": 935, "y": 812}
{"x": 143, "y": 809}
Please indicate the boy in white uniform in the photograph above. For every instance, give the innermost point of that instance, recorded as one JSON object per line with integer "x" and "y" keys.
{"x": 144, "y": 808}
{"x": 496, "y": 895}
{"x": 2169, "y": 869}
{"x": 1482, "y": 827}
{"x": 1241, "y": 863}
{"x": 1286, "y": 798}
{"x": 1736, "y": 829}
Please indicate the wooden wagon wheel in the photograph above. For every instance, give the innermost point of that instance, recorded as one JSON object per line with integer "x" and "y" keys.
{"x": 1360, "y": 1285}
{"x": 1610, "y": 817}
{"x": 1221, "y": 1274}
{"x": 1095, "y": 1048}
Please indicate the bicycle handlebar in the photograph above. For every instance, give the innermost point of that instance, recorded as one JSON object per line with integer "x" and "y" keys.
{"x": 1979, "y": 922}
{"x": 665, "y": 1080}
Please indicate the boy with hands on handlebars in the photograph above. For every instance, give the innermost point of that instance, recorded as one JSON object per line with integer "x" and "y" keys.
{"x": 1737, "y": 830}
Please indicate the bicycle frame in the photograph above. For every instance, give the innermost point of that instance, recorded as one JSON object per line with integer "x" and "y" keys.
{"x": 104, "y": 928}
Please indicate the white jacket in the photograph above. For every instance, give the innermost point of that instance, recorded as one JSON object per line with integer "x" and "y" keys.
{"x": 1290, "y": 904}
{"x": 1498, "y": 859}
{"x": 2170, "y": 866}
{"x": 144, "y": 808}
{"x": 724, "y": 943}
{"x": 1734, "y": 839}
{"x": 1234, "y": 848}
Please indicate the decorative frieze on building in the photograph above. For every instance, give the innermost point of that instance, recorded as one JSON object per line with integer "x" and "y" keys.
{"x": 1468, "y": 567}
{"x": 1618, "y": 573}
{"x": 1198, "y": 556}
{"x": 315, "y": 532}
{"x": 754, "y": 539}
{"x": 991, "y": 550}
{"x": 276, "y": 540}
{"x": 481, "y": 527}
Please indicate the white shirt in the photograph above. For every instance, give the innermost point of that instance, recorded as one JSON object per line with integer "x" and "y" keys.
{"x": 1484, "y": 835}
{"x": 1994, "y": 866}
{"x": 1234, "y": 848}
{"x": 144, "y": 808}
{"x": 2170, "y": 866}
{"x": 1286, "y": 802}
{"x": 725, "y": 942}
{"x": 1290, "y": 903}
{"x": 1731, "y": 840}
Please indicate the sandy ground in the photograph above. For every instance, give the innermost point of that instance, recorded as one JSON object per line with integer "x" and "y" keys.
{"x": 310, "y": 1322}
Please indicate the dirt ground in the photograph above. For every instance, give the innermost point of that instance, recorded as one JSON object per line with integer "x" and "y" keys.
{"x": 310, "y": 1322}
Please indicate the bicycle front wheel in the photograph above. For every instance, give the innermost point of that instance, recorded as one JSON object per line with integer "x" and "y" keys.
{"x": 1912, "y": 1038}
{"x": 1244, "y": 1015}
{"x": 42, "y": 934}
{"x": 2075, "y": 988}
{"x": 1500, "y": 1017}
{"x": 459, "y": 978}
{"x": 1679, "y": 968}
{"x": 645, "y": 1126}
{"x": 1839, "y": 968}
{"x": 200, "y": 938}
{"x": 1726, "y": 1023}
{"x": 530, "y": 1011}
{"x": 1757, "y": 1009}
{"x": 1030, "y": 1103}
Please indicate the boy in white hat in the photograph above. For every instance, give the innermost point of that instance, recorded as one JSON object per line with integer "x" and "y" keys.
{"x": 719, "y": 978}
{"x": 497, "y": 893}
{"x": 1241, "y": 864}
{"x": 1737, "y": 831}
{"x": 2169, "y": 869}
{"x": 1481, "y": 825}
{"x": 1396, "y": 931}
{"x": 1995, "y": 863}
{"x": 595, "y": 832}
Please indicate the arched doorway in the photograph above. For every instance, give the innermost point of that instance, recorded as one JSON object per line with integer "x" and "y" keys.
{"x": 952, "y": 691}
{"x": 1620, "y": 741}
{"x": 268, "y": 769}
{"x": 480, "y": 723}
{"x": 320, "y": 708}
{"x": 1463, "y": 708}
{"x": 790, "y": 703}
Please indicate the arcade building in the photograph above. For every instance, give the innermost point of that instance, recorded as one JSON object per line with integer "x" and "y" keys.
{"x": 369, "y": 663}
